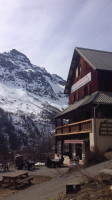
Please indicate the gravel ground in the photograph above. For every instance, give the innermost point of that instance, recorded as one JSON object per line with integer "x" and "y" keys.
{"x": 48, "y": 190}
{"x": 42, "y": 171}
{"x": 51, "y": 172}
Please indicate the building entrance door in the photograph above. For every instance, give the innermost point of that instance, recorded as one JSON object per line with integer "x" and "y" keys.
{"x": 79, "y": 151}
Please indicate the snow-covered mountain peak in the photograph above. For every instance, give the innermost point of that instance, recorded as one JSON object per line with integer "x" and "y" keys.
{"x": 16, "y": 58}
{"x": 29, "y": 92}
{"x": 16, "y": 70}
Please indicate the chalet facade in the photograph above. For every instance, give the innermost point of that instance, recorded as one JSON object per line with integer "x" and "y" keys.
{"x": 87, "y": 122}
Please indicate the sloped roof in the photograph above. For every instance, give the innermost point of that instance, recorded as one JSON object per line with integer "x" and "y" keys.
{"x": 95, "y": 98}
{"x": 100, "y": 60}
{"x": 97, "y": 59}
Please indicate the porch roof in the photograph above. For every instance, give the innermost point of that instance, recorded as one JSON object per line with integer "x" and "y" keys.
{"x": 74, "y": 141}
{"x": 95, "y": 98}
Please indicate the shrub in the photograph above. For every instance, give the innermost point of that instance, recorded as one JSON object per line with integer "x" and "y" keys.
{"x": 94, "y": 156}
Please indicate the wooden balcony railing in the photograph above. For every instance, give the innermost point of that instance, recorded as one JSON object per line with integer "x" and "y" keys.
{"x": 75, "y": 128}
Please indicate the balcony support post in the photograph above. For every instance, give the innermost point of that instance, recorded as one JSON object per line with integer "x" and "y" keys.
{"x": 70, "y": 151}
{"x": 62, "y": 142}
{"x": 55, "y": 145}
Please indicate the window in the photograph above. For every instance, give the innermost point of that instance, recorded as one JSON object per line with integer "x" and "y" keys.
{"x": 78, "y": 72}
{"x": 74, "y": 97}
{"x": 85, "y": 91}
{"x": 105, "y": 128}
{"x": 89, "y": 89}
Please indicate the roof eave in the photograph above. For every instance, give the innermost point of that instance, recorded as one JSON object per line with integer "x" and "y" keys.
{"x": 71, "y": 72}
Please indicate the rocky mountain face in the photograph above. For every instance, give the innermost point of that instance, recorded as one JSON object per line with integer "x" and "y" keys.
{"x": 30, "y": 97}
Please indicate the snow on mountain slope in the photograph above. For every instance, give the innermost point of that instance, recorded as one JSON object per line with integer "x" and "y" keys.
{"x": 29, "y": 93}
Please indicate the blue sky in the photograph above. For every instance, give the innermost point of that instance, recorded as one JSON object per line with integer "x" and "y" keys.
{"x": 47, "y": 31}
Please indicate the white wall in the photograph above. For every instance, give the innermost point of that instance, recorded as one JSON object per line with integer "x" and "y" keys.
{"x": 103, "y": 142}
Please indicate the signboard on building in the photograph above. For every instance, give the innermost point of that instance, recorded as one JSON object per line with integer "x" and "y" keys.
{"x": 86, "y": 79}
